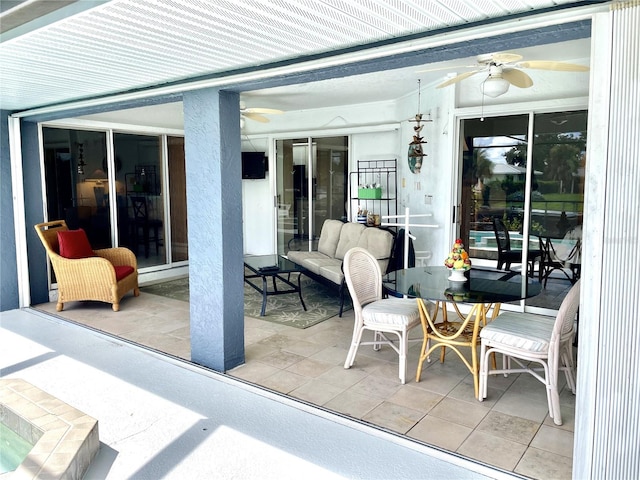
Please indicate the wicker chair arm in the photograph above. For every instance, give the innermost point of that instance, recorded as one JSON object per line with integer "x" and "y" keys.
{"x": 118, "y": 256}
{"x": 82, "y": 269}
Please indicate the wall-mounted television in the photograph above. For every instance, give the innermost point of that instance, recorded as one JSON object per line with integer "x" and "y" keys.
{"x": 254, "y": 165}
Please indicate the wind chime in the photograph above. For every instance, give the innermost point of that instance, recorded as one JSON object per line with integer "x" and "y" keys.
{"x": 415, "y": 147}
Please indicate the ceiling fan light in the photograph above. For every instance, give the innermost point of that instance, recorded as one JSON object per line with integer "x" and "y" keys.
{"x": 494, "y": 87}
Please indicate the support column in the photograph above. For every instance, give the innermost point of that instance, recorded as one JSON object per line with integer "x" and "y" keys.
{"x": 214, "y": 205}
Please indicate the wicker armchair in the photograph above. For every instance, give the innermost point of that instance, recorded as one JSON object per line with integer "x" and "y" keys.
{"x": 92, "y": 278}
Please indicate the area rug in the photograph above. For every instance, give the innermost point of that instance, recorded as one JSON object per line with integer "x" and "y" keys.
{"x": 322, "y": 302}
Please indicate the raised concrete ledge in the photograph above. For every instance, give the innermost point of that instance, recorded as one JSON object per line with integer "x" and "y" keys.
{"x": 168, "y": 418}
{"x": 65, "y": 439}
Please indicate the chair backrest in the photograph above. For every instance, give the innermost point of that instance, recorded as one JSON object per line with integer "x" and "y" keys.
{"x": 48, "y": 233}
{"x": 563, "y": 327}
{"x": 363, "y": 277}
{"x": 139, "y": 205}
{"x": 569, "y": 250}
{"x": 502, "y": 235}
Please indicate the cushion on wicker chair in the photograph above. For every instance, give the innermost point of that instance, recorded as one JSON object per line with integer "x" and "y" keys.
{"x": 526, "y": 331}
{"x": 74, "y": 244}
{"x": 391, "y": 311}
{"x": 122, "y": 271}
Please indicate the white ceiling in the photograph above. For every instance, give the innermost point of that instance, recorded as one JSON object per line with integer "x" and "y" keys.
{"x": 77, "y": 52}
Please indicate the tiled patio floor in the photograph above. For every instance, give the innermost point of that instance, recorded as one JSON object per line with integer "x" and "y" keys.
{"x": 511, "y": 429}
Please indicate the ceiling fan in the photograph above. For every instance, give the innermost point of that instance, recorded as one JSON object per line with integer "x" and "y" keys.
{"x": 258, "y": 113}
{"x": 504, "y": 70}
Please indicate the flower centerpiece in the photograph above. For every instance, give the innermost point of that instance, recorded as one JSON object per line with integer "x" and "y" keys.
{"x": 458, "y": 261}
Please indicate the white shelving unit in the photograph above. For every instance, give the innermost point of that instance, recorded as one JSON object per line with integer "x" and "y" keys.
{"x": 382, "y": 172}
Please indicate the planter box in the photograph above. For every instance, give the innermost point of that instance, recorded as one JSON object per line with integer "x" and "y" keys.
{"x": 370, "y": 193}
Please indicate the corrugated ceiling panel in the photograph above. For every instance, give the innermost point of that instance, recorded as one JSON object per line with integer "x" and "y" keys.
{"x": 129, "y": 44}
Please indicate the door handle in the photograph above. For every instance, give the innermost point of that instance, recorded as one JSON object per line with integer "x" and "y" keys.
{"x": 455, "y": 216}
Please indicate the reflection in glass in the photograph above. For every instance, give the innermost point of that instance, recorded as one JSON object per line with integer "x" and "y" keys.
{"x": 140, "y": 196}
{"x": 494, "y": 185}
{"x": 303, "y": 183}
{"x": 77, "y": 189}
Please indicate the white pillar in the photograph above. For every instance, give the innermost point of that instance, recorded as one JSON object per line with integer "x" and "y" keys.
{"x": 607, "y": 433}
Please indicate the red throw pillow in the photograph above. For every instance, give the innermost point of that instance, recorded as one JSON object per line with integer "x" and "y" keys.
{"x": 74, "y": 244}
{"x": 122, "y": 271}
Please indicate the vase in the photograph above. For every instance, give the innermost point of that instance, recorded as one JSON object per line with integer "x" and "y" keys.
{"x": 457, "y": 275}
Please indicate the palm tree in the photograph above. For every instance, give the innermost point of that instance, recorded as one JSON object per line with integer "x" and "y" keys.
{"x": 562, "y": 162}
{"x": 482, "y": 168}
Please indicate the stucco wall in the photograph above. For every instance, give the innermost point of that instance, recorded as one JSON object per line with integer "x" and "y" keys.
{"x": 8, "y": 269}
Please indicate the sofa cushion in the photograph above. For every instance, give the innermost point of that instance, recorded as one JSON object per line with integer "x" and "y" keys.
{"x": 329, "y": 237}
{"x": 315, "y": 264}
{"x": 301, "y": 258}
{"x": 333, "y": 272}
{"x": 349, "y": 236}
{"x": 379, "y": 244}
{"x": 74, "y": 244}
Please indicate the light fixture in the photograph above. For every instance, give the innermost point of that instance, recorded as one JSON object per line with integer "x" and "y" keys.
{"x": 81, "y": 163}
{"x": 494, "y": 85}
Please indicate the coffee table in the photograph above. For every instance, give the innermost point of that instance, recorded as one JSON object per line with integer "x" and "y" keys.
{"x": 274, "y": 266}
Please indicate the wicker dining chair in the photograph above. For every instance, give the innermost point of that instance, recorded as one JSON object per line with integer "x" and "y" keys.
{"x": 104, "y": 275}
{"x": 383, "y": 316}
{"x": 539, "y": 345}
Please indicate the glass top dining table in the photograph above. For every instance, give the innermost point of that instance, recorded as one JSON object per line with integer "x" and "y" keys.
{"x": 482, "y": 286}
{"x": 485, "y": 290}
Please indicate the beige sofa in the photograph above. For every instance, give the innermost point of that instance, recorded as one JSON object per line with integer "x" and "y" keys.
{"x": 336, "y": 238}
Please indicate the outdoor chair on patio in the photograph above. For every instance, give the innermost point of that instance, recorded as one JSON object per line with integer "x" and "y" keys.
{"x": 528, "y": 339}
{"x": 145, "y": 230}
{"x": 383, "y": 316}
{"x": 563, "y": 255}
{"x": 82, "y": 273}
{"x": 507, "y": 255}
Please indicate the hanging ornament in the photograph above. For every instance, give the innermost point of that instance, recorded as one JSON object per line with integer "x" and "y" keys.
{"x": 416, "y": 154}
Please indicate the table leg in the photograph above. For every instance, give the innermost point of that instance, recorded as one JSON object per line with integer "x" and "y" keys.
{"x": 264, "y": 295}
{"x": 300, "y": 293}
{"x": 452, "y": 335}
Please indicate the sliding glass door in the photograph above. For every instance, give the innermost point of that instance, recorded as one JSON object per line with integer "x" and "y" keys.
{"x": 311, "y": 187}
{"x": 534, "y": 186}
{"x": 114, "y": 185}
{"x": 557, "y": 200}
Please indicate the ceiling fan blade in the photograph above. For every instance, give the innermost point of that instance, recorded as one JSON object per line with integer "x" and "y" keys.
{"x": 457, "y": 78}
{"x": 506, "y": 57}
{"x": 517, "y": 77}
{"x": 549, "y": 65}
{"x": 255, "y": 116}
{"x": 263, "y": 110}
